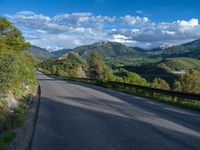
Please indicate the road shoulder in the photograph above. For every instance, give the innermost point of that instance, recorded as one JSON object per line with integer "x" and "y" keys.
{"x": 24, "y": 134}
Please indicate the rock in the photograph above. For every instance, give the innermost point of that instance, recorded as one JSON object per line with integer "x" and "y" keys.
{"x": 11, "y": 101}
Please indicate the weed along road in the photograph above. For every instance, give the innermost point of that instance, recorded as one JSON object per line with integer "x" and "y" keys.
{"x": 77, "y": 116}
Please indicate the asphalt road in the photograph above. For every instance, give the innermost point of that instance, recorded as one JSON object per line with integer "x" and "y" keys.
{"x": 75, "y": 116}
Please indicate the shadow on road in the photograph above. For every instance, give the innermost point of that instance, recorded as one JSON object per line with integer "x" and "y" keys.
{"x": 72, "y": 125}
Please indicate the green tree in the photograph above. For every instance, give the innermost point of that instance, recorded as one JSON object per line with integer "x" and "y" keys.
{"x": 160, "y": 83}
{"x": 16, "y": 64}
{"x": 134, "y": 78}
{"x": 189, "y": 82}
{"x": 99, "y": 70}
{"x": 12, "y": 36}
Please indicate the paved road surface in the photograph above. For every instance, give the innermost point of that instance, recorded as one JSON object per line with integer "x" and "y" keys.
{"x": 76, "y": 116}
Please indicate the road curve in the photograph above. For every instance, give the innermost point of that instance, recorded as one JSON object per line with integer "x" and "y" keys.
{"x": 76, "y": 116}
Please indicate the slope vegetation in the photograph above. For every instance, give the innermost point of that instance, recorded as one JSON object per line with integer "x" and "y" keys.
{"x": 70, "y": 64}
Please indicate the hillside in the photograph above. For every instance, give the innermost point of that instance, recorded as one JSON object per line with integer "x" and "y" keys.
{"x": 166, "y": 69}
{"x": 105, "y": 49}
{"x": 190, "y": 49}
{"x": 70, "y": 64}
{"x": 40, "y": 53}
{"x": 74, "y": 57}
{"x": 180, "y": 64}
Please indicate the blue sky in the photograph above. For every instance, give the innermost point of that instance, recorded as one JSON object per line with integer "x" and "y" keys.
{"x": 67, "y": 23}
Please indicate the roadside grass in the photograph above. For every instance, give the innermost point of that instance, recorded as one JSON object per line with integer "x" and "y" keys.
{"x": 10, "y": 119}
{"x": 6, "y": 138}
{"x": 190, "y": 104}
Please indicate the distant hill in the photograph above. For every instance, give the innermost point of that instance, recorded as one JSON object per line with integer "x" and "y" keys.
{"x": 166, "y": 68}
{"x": 40, "y": 53}
{"x": 59, "y": 52}
{"x": 105, "y": 49}
{"x": 114, "y": 49}
{"x": 138, "y": 49}
{"x": 190, "y": 49}
{"x": 179, "y": 64}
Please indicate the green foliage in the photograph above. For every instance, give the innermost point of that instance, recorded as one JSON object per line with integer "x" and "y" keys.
{"x": 71, "y": 65}
{"x": 6, "y": 138}
{"x": 179, "y": 64}
{"x": 189, "y": 82}
{"x": 7, "y": 71}
{"x": 116, "y": 78}
{"x": 16, "y": 73}
{"x": 12, "y": 36}
{"x": 160, "y": 83}
{"x": 99, "y": 70}
{"x": 134, "y": 78}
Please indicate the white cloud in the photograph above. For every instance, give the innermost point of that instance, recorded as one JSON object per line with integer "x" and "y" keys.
{"x": 73, "y": 29}
{"x": 132, "y": 20}
{"x": 121, "y": 39}
{"x": 191, "y": 23}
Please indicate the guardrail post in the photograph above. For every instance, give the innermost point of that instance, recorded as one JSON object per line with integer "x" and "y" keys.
{"x": 153, "y": 94}
{"x": 175, "y": 98}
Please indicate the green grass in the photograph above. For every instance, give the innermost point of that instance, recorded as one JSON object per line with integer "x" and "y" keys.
{"x": 5, "y": 139}
{"x": 15, "y": 119}
{"x": 12, "y": 120}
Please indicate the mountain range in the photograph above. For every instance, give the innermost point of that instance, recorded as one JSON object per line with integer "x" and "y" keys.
{"x": 166, "y": 63}
{"x": 113, "y": 49}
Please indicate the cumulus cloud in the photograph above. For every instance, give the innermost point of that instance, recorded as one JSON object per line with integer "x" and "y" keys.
{"x": 121, "y": 39}
{"x": 132, "y": 20}
{"x": 73, "y": 29}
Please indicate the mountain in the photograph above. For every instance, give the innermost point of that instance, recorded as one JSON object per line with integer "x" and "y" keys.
{"x": 40, "y": 53}
{"x": 138, "y": 49}
{"x": 60, "y": 52}
{"x": 190, "y": 49}
{"x": 114, "y": 49}
{"x": 105, "y": 49}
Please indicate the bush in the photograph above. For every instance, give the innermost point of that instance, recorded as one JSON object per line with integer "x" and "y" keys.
{"x": 160, "y": 83}
{"x": 134, "y": 78}
{"x": 189, "y": 82}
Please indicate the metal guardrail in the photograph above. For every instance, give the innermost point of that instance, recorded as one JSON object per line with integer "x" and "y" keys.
{"x": 174, "y": 94}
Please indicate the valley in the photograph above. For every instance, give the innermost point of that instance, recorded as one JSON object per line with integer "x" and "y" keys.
{"x": 168, "y": 63}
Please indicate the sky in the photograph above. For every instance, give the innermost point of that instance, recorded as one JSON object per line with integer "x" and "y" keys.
{"x": 57, "y": 24}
